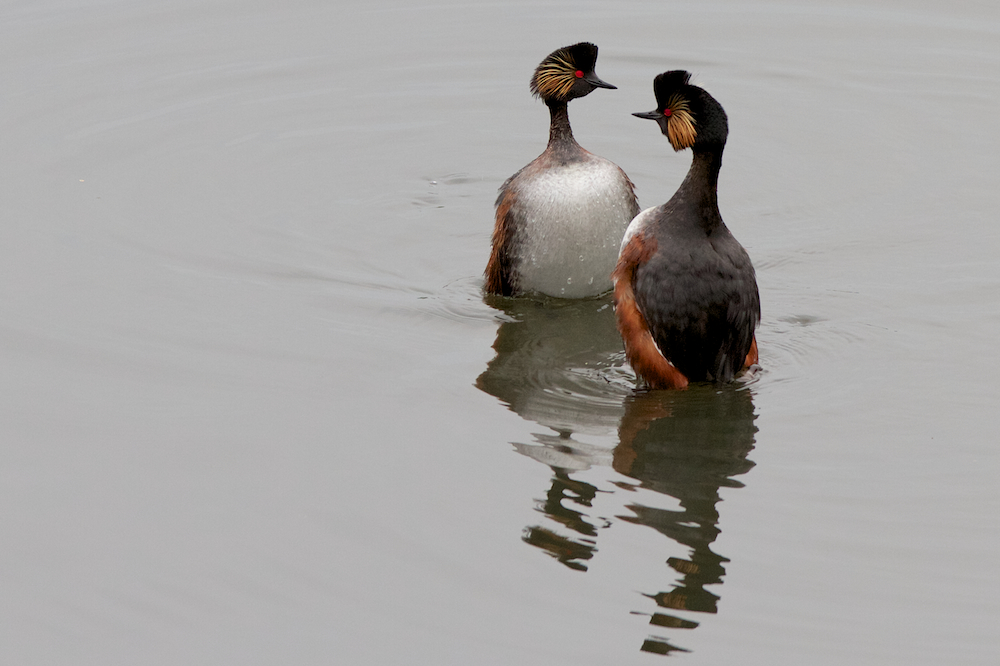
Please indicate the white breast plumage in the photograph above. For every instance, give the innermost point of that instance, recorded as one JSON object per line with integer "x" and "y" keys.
{"x": 636, "y": 225}
{"x": 574, "y": 218}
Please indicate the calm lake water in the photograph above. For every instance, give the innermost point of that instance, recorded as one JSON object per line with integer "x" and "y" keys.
{"x": 257, "y": 410}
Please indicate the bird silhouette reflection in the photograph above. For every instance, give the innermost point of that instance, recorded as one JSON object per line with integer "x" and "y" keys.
{"x": 561, "y": 365}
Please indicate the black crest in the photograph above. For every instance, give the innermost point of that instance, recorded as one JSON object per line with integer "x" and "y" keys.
{"x": 687, "y": 114}
{"x": 567, "y": 73}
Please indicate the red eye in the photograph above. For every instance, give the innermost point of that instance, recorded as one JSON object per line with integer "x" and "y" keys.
{"x": 579, "y": 74}
{"x": 667, "y": 112}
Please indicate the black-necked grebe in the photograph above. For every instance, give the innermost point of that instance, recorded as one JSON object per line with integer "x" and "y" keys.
{"x": 560, "y": 219}
{"x": 686, "y": 295}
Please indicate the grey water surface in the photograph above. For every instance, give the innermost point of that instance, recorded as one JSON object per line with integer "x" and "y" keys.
{"x": 256, "y": 408}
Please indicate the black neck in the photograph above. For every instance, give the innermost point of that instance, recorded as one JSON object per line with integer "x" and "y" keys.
{"x": 700, "y": 187}
{"x": 560, "y": 133}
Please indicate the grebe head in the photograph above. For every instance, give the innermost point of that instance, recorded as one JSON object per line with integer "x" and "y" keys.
{"x": 688, "y": 116}
{"x": 567, "y": 73}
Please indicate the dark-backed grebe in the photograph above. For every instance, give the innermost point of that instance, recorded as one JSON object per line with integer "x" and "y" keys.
{"x": 686, "y": 295}
{"x": 560, "y": 219}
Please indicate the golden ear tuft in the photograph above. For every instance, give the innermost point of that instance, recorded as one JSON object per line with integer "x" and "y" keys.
{"x": 680, "y": 126}
{"x": 555, "y": 77}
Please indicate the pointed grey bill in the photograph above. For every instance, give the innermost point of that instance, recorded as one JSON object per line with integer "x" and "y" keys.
{"x": 596, "y": 81}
